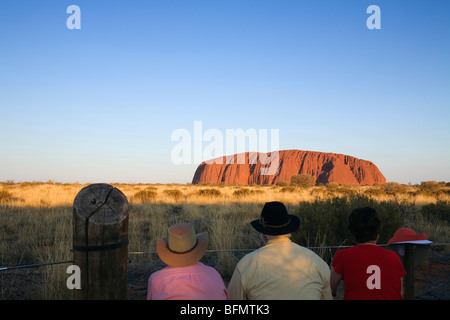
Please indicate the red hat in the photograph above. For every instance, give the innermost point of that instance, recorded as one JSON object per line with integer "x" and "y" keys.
{"x": 407, "y": 235}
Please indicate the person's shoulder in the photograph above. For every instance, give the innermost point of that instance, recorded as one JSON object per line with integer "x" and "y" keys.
{"x": 249, "y": 258}
{"x": 161, "y": 272}
{"x": 305, "y": 251}
{"x": 206, "y": 268}
{"x": 345, "y": 250}
{"x": 302, "y": 250}
{"x": 389, "y": 253}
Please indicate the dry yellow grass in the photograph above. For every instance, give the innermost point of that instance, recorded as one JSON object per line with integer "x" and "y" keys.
{"x": 53, "y": 195}
{"x": 35, "y": 220}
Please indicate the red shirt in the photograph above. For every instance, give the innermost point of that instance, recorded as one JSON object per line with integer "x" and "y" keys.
{"x": 370, "y": 272}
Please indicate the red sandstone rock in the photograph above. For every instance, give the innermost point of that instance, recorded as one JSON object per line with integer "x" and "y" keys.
{"x": 325, "y": 167}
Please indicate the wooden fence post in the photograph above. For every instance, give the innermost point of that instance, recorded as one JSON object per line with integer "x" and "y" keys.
{"x": 408, "y": 284}
{"x": 100, "y": 242}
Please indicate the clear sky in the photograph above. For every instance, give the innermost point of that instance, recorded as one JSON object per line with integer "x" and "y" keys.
{"x": 100, "y": 104}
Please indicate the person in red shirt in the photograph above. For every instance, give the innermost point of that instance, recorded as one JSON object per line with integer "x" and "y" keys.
{"x": 369, "y": 272}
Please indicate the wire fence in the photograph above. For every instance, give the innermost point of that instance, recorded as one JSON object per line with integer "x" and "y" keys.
{"x": 7, "y": 268}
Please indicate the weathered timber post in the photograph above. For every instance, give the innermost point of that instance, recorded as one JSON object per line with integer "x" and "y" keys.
{"x": 408, "y": 281}
{"x": 100, "y": 242}
{"x": 412, "y": 249}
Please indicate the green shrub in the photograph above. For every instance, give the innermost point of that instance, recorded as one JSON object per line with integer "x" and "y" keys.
{"x": 332, "y": 185}
{"x": 209, "y": 193}
{"x": 429, "y": 185}
{"x": 374, "y": 192}
{"x": 174, "y": 193}
{"x": 439, "y": 211}
{"x": 320, "y": 191}
{"x": 6, "y": 196}
{"x": 288, "y": 189}
{"x": 347, "y": 191}
{"x": 424, "y": 192}
{"x": 394, "y": 188}
{"x": 145, "y": 196}
{"x": 282, "y": 184}
{"x": 303, "y": 180}
{"x": 328, "y": 220}
{"x": 243, "y": 192}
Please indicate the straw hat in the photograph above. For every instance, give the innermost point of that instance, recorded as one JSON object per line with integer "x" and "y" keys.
{"x": 405, "y": 235}
{"x": 182, "y": 247}
{"x": 275, "y": 220}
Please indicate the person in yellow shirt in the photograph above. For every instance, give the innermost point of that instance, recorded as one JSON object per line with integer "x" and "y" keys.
{"x": 281, "y": 269}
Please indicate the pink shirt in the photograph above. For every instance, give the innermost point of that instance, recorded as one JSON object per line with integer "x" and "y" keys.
{"x": 195, "y": 282}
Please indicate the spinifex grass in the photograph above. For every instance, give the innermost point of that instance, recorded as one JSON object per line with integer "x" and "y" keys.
{"x": 36, "y": 223}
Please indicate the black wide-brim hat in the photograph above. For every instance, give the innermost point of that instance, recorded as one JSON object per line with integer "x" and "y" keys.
{"x": 275, "y": 220}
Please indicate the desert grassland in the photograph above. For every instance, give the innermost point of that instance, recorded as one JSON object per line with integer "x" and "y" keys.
{"x": 36, "y": 222}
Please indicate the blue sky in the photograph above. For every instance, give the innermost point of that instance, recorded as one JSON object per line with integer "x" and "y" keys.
{"x": 99, "y": 104}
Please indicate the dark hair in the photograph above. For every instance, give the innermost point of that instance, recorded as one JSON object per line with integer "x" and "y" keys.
{"x": 365, "y": 224}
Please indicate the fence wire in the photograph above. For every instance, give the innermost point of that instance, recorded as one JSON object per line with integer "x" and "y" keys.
{"x": 7, "y": 268}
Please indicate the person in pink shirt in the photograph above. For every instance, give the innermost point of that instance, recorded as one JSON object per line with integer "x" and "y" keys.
{"x": 185, "y": 277}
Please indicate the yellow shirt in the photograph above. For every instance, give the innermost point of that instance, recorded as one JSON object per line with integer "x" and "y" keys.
{"x": 281, "y": 270}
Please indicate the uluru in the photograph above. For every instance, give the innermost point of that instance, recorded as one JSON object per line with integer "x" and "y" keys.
{"x": 245, "y": 168}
